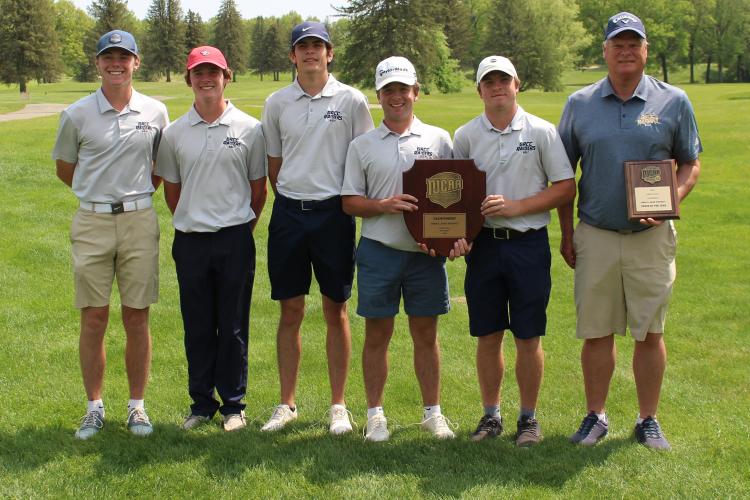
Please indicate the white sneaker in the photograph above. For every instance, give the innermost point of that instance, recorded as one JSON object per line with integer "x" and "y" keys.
{"x": 138, "y": 422}
{"x": 438, "y": 425}
{"x": 193, "y": 421}
{"x": 234, "y": 421}
{"x": 339, "y": 421}
{"x": 377, "y": 428}
{"x": 281, "y": 416}
{"x": 91, "y": 423}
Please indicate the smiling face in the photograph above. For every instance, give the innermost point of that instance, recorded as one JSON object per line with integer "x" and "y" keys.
{"x": 498, "y": 90}
{"x": 625, "y": 55}
{"x": 116, "y": 67}
{"x": 311, "y": 55}
{"x": 397, "y": 100}
{"x": 207, "y": 81}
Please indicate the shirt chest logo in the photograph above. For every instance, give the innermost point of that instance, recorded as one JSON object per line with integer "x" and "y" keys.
{"x": 423, "y": 153}
{"x": 143, "y": 127}
{"x": 526, "y": 147}
{"x": 333, "y": 116}
{"x": 231, "y": 143}
{"x": 648, "y": 119}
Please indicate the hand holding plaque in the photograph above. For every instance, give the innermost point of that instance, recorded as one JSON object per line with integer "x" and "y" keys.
{"x": 651, "y": 190}
{"x": 450, "y": 193}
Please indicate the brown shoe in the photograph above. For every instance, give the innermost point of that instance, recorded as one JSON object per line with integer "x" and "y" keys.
{"x": 529, "y": 433}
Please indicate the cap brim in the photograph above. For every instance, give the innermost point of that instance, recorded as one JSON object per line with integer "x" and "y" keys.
{"x": 311, "y": 35}
{"x": 620, "y": 30}
{"x": 198, "y": 63}
{"x": 490, "y": 70}
{"x": 114, "y": 46}
{"x": 400, "y": 79}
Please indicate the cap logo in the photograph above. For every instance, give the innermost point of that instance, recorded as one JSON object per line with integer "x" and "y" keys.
{"x": 205, "y": 52}
{"x": 116, "y": 38}
{"x": 493, "y": 60}
{"x": 623, "y": 19}
{"x": 305, "y": 29}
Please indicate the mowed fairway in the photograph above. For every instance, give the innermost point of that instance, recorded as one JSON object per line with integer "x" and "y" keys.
{"x": 704, "y": 408}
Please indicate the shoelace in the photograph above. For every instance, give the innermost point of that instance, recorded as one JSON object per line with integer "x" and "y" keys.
{"x": 440, "y": 420}
{"x": 529, "y": 427}
{"x": 651, "y": 429}
{"x": 487, "y": 423}
{"x": 380, "y": 423}
{"x": 340, "y": 413}
{"x": 92, "y": 419}
{"x": 588, "y": 423}
{"x": 138, "y": 416}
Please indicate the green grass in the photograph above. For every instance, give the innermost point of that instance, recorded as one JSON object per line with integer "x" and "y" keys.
{"x": 704, "y": 406}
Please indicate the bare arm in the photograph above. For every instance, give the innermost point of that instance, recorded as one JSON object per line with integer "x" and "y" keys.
{"x": 65, "y": 171}
{"x": 274, "y": 165}
{"x": 172, "y": 194}
{"x": 687, "y": 177}
{"x": 258, "y": 195}
{"x": 155, "y": 179}
{"x": 556, "y": 194}
{"x": 361, "y": 206}
{"x": 565, "y": 214}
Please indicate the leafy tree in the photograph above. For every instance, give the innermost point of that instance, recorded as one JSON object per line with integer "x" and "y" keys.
{"x": 258, "y": 51}
{"x": 28, "y": 42}
{"x": 108, "y": 15}
{"x": 230, "y": 37}
{"x": 71, "y": 26}
{"x": 164, "y": 47}
{"x": 458, "y": 22}
{"x": 195, "y": 31}
{"x": 277, "y": 53}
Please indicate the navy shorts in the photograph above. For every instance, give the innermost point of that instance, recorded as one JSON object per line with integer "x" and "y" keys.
{"x": 508, "y": 284}
{"x": 307, "y": 236}
{"x": 384, "y": 273}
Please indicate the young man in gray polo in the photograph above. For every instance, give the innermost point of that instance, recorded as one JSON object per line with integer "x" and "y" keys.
{"x": 105, "y": 148}
{"x": 213, "y": 162}
{"x": 308, "y": 126}
{"x": 389, "y": 262}
{"x": 508, "y": 270}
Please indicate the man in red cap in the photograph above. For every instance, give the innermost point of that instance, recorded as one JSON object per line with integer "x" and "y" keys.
{"x": 212, "y": 160}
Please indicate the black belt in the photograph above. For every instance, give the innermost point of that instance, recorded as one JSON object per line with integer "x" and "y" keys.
{"x": 307, "y": 205}
{"x": 503, "y": 233}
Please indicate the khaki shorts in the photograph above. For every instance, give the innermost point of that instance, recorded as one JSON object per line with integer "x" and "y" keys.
{"x": 124, "y": 245}
{"x": 623, "y": 280}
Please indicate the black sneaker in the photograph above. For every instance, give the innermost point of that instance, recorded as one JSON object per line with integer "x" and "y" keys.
{"x": 649, "y": 434}
{"x": 528, "y": 432}
{"x": 489, "y": 426}
{"x": 591, "y": 431}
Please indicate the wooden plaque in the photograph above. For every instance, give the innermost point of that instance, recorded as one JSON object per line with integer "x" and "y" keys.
{"x": 449, "y": 194}
{"x": 651, "y": 190}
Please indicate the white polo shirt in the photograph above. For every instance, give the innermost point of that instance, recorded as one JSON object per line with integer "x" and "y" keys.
{"x": 519, "y": 161}
{"x": 215, "y": 163}
{"x": 113, "y": 150}
{"x": 374, "y": 167}
{"x": 312, "y": 134}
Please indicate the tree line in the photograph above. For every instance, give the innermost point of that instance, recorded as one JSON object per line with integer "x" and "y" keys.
{"x": 44, "y": 40}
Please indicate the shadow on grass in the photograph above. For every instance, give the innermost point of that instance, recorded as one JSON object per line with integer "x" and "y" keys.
{"x": 447, "y": 468}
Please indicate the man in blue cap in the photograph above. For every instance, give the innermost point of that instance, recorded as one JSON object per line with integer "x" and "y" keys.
{"x": 308, "y": 127}
{"x": 105, "y": 150}
{"x": 624, "y": 270}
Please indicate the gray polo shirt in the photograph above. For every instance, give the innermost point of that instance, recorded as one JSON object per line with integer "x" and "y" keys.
{"x": 312, "y": 134}
{"x": 215, "y": 163}
{"x": 113, "y": 150}
{"x": 520, "y": 161}
{"x": 374, "y": 165}
{"x": 603, "y": 132}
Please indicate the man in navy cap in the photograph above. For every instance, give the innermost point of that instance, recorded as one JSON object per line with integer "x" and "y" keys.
{"x": 624, "y": 270}
{"x": 308, "y": 127}
{"x": 105, "y": 150}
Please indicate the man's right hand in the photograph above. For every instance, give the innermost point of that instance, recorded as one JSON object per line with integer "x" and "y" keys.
{"x": 568, "y": 251}
{"x": 398, "y": 203}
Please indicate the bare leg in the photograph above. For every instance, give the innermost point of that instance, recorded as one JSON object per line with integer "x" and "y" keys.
{"x": 649, "y": 363}
{"x": 426, "y": 357}
{"x": 137, "y": 349}
{"x": 289, "y": 346}
{"x": 529, "y": 370}
{"x": 91, "y": 349}
{"x": 490, "y": 367}
{"x": 338, "y": 347}
{"x": 378, "y": 333}
{"x": 598, "y": 364}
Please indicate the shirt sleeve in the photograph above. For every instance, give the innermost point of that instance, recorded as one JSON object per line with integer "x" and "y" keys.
{"x": 686, "y": 140}
{"x": 167, "y": 163}
{"x": 271, "y": 132}
{"x": 446, "y": 147}
{"x": 567, "y": 135}
{"x": 66, "y": 144}
{"x": 256, "y": 154}
{"x": 354, "y": 175}
{"x": 162, "y": 123}
{"x": 362, "y": 121}
{"x": 460, "y": 145}
{"x": 555, "y": 162}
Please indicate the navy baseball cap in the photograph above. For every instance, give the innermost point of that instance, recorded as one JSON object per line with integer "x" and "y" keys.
{"x": 310, "y": 28}
{"x": 624, "y": 21}
{"x": 117, "y": 39}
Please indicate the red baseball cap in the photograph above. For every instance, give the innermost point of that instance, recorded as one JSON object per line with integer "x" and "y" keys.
{"x": 206, "y": 54}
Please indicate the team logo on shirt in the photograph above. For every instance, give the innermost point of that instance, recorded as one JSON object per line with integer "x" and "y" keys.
{"x": 232, "y": 142}
{"x": 423, "y": 153}
{"x": 445, "y": 188}
{"x": 143, "y": 127}
{"x": 526, "y": 147}
{"x": 648, "y": 119}
{"x": 333, "y": 116}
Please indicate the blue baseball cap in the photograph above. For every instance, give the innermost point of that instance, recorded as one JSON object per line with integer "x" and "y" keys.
{"x": 310, "y": 28}
{"x": 624, "y": 21}
{"x": 117, "y": 39}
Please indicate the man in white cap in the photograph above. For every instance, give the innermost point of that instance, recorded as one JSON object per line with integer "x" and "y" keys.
{"x": 105, "y": 148}
{"x": 624, "y": 270}
{"x": 508, "y": 279}
{"x": 308, "y": 126}
{"x": 213, "y": 162}
{"x": 389, "y": 262}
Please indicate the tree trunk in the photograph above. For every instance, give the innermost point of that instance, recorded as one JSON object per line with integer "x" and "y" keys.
{"x": 169, "y": 76}
{"x": 691, "y": 59}
{"x": 720, "y": 69}
{"x": 708, "y": 69}
{"x": 22, "y": 86}
{"x": 664, "y": 70}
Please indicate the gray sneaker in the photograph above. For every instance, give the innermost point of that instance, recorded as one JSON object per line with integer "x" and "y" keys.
{"x": 138, "y": 422}
{"x": 591, "y": 431}
{"x": 528, "y": 432}
{"x": 649, "y": 434}
{"x": 91, "y": 423}
{"x": 192, "y": 421}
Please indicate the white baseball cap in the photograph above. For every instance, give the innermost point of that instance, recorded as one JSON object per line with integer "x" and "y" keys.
{"x": 495, "y": 63}
{"x": 395, "y": 69}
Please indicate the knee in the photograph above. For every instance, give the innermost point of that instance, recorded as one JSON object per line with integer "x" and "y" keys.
{"x": 135, "y": 321}
{"x": 530, "y": 346}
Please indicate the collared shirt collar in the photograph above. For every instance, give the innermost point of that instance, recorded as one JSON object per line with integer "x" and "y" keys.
{"x": 416, "y": 128}
{"x": 516, "y": 124}
{"x": 328, "y": 88}
{"x": 641, "y": 91}
{"x": 194, "y": 118}
{"x": 135, "y": 104}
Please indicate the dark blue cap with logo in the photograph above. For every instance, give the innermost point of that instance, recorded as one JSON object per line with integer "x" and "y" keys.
{"x": 117, "y": 39}
{"x": 624, "y": 21}
{"x": 310, "y": 28}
